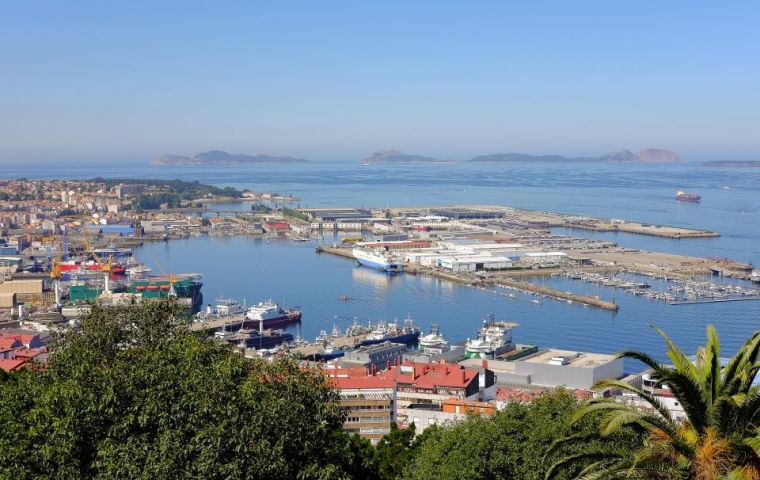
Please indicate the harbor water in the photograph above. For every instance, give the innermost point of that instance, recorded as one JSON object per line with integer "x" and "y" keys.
{"x": 290, "y": 272}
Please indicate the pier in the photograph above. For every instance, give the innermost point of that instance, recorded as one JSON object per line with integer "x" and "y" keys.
{"x": 480, "y": 282}
{"x": 217, "y": 323}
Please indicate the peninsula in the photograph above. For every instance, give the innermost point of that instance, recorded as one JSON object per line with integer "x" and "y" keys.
{"x": 731, "y": 164}
{"x": 649, "y": 155}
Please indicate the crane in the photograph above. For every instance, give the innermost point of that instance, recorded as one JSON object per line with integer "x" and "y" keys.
{"x": 173, "y": 278}
{"x": 55, "y": 274}
{"x": 105, "y": 267}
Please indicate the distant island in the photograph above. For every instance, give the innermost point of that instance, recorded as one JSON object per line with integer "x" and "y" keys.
{"x": 732, "y": 164}
{"x": 649, "y": 155}
{"x": 218, "y": 157}
{"x": 397, "y": 156}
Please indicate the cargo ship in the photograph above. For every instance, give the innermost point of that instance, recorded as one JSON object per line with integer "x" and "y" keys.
{"x": 269, "y": 314}
{"x": 687, "y": 197}
{"x": 186, "y": 285}
{"x": 383, "y": 261}
{"x": 494, "y": 339}
{"x": 408, "y": 333}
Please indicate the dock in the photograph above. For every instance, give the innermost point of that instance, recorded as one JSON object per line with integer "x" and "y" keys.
{"x": 481, "y": 282}
{"x": 217, "y": 323}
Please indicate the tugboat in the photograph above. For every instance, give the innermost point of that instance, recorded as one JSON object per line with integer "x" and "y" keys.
{"x": 494, "y": 339}
{"x": 434, "y": 342}
{"x": 688, "y": 197}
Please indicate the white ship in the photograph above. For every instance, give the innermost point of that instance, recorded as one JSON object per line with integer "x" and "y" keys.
{"x": 494, "y": 339}
{"x": 434, "y": 342}
{"x": 755, "y": 276}
{"x": 269, "y": 314}
{"x": 380, "y": 260}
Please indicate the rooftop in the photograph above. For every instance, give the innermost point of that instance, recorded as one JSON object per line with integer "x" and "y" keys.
{"x": 570, "y": 358}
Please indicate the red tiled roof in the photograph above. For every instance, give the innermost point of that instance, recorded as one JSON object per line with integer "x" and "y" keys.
{"x": 13, "y": 364}
{"x": 29, "y": 352}
{"x": 422, "y": 375}
{"x": 9, "y": 342}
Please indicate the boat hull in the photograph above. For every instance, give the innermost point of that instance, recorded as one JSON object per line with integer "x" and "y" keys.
{"x": 407, "y": 338}
{"x": 289, "y": 319}
{"x": 383, "y": 267}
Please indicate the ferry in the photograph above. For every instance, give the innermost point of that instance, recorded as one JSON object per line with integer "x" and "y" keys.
{"x": 434, "y": 342}
{"x": 381, "y": 261}
{"x": 269, "y": 314}
{"x": 494, "y": 339}
{"x": 755, "y": 276}
{"x": 407, "y": 333}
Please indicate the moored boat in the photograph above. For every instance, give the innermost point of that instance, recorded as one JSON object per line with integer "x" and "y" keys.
{"x": 269, "y": 314}
{"x": 383, "y": 261}
{"x": 434, "y": 342}
{"x": 494, "y": 339}
{"x": 408, "y": 333}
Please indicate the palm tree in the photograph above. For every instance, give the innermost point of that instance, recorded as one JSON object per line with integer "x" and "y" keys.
{"x": 719, "y": 439}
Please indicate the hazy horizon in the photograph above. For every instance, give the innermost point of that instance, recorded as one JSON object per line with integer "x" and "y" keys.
{"x": 124, "y": 83}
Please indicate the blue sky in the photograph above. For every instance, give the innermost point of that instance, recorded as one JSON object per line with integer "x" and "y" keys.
{"x": 337, "y": 80}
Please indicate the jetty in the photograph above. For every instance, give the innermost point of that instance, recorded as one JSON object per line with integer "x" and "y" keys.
{"x": 467, "y": 279}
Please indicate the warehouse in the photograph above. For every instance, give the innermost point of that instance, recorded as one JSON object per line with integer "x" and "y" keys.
{"x": 473, "y": 263}
{"x": 555, "y": 368}
{"x": 545, "y": 258}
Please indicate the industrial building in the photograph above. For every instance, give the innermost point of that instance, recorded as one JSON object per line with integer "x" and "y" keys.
{"x": 333, "y": 215}
{"x": 554, "y": 368}
{"x": 378, "y": 357}
{"x": 462, "y": 213}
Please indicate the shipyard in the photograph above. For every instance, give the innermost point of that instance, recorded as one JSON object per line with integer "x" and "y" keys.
{"x": 80, "y": 247}
{"x": 75, "y": 239}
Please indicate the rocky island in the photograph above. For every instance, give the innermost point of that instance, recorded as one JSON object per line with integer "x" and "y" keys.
{"x": 397, "y": 156}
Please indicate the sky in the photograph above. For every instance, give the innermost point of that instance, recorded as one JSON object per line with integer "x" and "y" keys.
{"x": 338, "y": 80}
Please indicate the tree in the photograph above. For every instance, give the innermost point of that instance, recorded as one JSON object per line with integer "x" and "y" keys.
{"x": 131, "y": 393}
{"x": 510, "y": 444}
{"x": 720, "y": 437}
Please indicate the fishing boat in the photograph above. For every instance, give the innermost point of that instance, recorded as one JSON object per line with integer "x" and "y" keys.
{"x": 434, "y": 342}
{"x": 494, "y": 339}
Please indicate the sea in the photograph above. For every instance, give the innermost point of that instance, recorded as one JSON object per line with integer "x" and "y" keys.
{"x": 253, "y": 269}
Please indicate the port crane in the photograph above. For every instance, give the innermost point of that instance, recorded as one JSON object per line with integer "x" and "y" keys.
{"x": 173, "y": 278}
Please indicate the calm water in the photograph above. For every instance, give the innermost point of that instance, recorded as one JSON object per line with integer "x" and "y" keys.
{"x": 293, "y": 274}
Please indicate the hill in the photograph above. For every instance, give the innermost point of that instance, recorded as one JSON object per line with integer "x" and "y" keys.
{"x": 397, "y": 156}
{"x": 218, "y": 157}
{"x": 649, "y": 155}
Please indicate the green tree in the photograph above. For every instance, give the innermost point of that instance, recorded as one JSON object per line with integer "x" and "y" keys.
{"x": 720, "y": 437}
{"x": 131, "y": 393}
{"x": 511, "y": 444}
